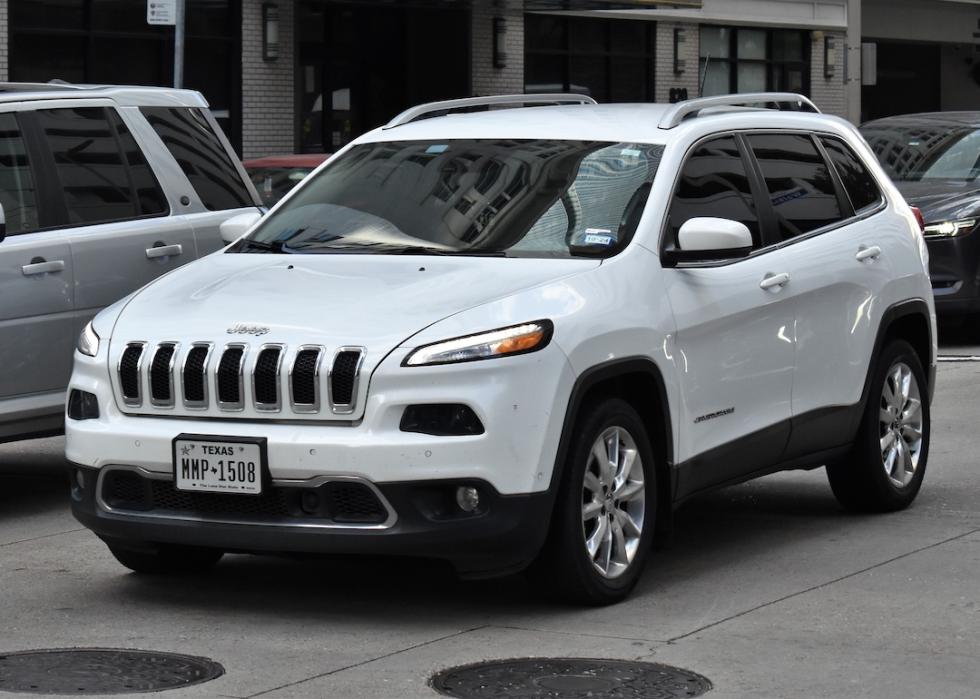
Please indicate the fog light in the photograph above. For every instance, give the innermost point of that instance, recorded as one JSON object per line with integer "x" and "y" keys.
{"x": 82, "y": 405}
{"x": 79, "y": 479}
{"x": 468, "y": 498}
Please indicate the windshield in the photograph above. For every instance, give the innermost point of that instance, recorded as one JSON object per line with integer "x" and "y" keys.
{"x": 273, "y": 183}
{"x": 912, "y": 153}
{"x": 521, "y": 198}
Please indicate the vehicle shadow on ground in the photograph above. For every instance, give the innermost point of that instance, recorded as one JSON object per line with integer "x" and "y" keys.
{"x": 711, "y": 529}
{"x": 33, "y": 478}
{"x": 958, "y": 333}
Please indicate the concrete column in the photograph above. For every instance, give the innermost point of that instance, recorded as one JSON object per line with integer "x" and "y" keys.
{"x": 4, "y": 40}
{"x": 485, "y": 79}
{"x": 268, "y": 87}
{"x": 688, "y": 51}
{"x": 852, "y": 83}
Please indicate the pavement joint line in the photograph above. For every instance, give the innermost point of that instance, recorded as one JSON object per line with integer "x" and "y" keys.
{"x": 822, "y": 585}
{"x": 575, "y": 633}
{"x": 43, "y": 536}
{"x": 368, "y": 661}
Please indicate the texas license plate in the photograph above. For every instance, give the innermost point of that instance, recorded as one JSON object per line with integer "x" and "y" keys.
{"x": 219, "y": 464}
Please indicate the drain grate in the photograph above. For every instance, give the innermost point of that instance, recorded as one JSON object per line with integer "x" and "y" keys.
{"x": 569, "y": 678}
{"x": 101, "y": 671}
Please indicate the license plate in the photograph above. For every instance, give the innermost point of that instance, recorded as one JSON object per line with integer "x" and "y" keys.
{"x": 219, "y": 464}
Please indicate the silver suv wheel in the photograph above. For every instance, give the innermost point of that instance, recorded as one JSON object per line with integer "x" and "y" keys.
{"x": 613, "y": 502}
{"x": 900, "y": 424}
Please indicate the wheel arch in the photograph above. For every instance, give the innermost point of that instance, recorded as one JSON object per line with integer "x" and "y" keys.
{"x": 639, "y": 381}
{"x": 909, "y": 321}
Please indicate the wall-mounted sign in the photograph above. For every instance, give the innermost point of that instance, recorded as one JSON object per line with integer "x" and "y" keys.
{"x": 161, "y": 12}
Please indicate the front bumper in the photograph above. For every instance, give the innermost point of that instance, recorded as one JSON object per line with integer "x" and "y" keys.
{"x": 503, "y": 535}
{"x": 954, "y": 268}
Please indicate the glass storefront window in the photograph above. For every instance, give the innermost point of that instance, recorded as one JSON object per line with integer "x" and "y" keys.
{"x": 609, "y": 60}
{"x": 737, "y": 59}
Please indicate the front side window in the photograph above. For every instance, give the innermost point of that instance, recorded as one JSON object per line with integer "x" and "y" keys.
{"x": 714, "y": 184}
{"x": 800, "y": 185}
{"x": 505, "y": 197}
{"x": 16, "y": 179}
{"x": 911, "y": 152}
{"x": 102, "y": 173}
{"x": 201, "y": 155}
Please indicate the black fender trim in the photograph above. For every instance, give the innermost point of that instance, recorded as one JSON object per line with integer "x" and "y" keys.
{"x": 894, "y": 312}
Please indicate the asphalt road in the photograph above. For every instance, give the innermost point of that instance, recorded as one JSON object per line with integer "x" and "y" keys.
{"x": 768, "y": 589}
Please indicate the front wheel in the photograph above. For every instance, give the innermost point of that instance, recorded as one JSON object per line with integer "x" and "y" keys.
{"x": 605, "y": 509}
{"x": 885, "y": 468}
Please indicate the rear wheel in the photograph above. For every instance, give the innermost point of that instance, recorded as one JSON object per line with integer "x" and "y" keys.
{"x": 885, "y": 469}
{"x": 166, "y": 559}
{"x": 605, "y": 512}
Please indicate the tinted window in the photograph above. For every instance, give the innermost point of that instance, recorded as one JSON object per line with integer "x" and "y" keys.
{"x": 799, "y": 182}
{"x": 714, "y": 183}
{"x": 519, "y": 198}
{"x": 16, "y": 180}
{"x": 201, "y": 156}
{"x": 860, "y": 186}
{"x": 103, "y": 175}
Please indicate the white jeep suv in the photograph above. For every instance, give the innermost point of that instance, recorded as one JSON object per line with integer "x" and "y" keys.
{"x": 518, "y": 338}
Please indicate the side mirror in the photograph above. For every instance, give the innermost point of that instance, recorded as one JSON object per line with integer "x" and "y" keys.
{"x": 3, "y": 224}
{"x": 235, "y": 227}
{"x": 704, "y": 238}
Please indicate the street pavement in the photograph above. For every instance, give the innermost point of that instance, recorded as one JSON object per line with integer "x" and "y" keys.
{"x": 768, "y": 589}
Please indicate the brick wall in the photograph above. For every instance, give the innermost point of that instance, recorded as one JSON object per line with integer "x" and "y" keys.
{"x": 4, "y": 41}
{"x": 485, "y": 79}
{"x": 665, "y": 77}
{"x": 268, "y": 102}
{"x": 827, "y": 94}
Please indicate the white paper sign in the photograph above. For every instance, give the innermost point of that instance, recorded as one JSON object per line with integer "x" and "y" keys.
{"x": 161, "y": 12}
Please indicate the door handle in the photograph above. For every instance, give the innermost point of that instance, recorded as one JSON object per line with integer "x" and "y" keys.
{"x": 41, "y": 266}
{"x": 864, "y": 253}
{"x": 164, "y": 251}
{"x": 774, "y": 281}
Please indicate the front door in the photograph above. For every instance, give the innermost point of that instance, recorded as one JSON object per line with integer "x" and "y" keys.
{"x": 734, "y": 346}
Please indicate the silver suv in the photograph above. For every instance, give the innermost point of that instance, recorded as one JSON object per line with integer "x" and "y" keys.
{"x": 102, "y": 190}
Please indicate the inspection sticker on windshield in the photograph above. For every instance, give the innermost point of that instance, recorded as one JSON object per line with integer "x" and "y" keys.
{"x": 440, "y": 148}
{"x": 631, "y": 152}
{"x": 598, "y": 236}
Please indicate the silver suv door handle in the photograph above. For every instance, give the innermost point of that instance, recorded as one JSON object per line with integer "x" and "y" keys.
{"x": 41, "y": 266}
{"x": 774, "y": 281}
{"x": 864, "y": 253}
{"x": 164, "y": 251}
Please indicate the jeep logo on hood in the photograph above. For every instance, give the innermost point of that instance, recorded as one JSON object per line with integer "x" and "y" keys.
{"x": 242, "y": 329}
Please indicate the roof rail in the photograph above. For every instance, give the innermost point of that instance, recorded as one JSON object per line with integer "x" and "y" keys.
{"x": 683, "y": 110}
{"x": 419, "y": 111}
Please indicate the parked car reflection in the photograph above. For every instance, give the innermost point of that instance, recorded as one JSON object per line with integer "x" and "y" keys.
{"x": 275, "y": 175}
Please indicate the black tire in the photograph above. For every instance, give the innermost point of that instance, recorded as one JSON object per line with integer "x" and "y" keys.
{"x": 564, "y": 569}
{"x": 860, "y": 481}
{"x": 166, "y": 559}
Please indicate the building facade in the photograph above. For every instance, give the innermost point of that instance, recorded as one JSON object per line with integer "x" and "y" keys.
{"x": 288, "y": 76}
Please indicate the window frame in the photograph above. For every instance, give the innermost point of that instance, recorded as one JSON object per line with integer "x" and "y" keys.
{"x": 768, "y": 225}
{"x": 51, "y": 192}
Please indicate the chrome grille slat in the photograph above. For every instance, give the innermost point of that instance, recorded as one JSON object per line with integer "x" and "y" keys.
{"x": 205, "y": 377}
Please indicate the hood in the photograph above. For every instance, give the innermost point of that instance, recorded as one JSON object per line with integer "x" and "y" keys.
{"x": 942, "y": 200}
{"x": 331, "y": 301}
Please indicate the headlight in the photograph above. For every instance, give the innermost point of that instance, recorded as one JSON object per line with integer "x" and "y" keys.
{"x": 948, "y": 229}
{"x": 516, "y": 339}
{"x": 88, "y": 341}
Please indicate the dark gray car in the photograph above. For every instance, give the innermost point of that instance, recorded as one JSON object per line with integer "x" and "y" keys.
{"x": 103, "y": 189}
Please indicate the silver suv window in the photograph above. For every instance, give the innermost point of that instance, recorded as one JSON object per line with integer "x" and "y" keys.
{"x": 522, "y": 198}
{"x": 17, "y": 192}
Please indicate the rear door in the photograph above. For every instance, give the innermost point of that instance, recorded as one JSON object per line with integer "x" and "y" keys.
{"x": 117, "y": 218}
{"x": 839, "y": 266}
{"x": 36, "y": 285}
{"x": 218, "y": 187}
{"x": 734, "y": 346}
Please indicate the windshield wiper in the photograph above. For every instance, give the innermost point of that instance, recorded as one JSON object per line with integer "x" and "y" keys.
{"x": 276, "y": 247}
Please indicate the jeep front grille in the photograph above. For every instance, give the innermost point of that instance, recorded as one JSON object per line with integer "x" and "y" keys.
{"x": 269, "y": 378}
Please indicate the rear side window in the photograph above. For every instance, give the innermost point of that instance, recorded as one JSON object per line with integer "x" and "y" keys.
{"x": 714, "y": 183}
{"x": 103, "y": 175}
{"x": 16, "y": 179}
{"x": 201, "y": 155}
{"x": 799, "y": 182}
{"x": 858, "y": 183}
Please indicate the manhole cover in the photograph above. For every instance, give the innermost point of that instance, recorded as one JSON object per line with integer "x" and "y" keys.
{"x": 569, "y": 678}
{"x": 101, "y": 671}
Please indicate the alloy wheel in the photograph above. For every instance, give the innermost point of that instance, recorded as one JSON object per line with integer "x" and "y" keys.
{"x": 900, "y": 424}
